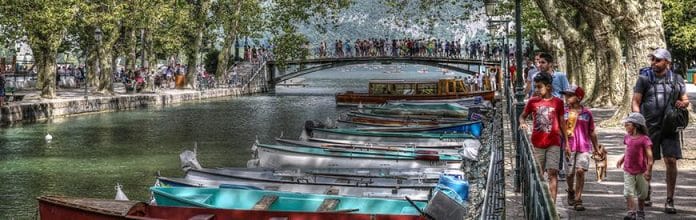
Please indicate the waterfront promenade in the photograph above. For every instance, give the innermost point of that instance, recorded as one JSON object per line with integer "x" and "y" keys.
{"x": 605, "y": 200}
{"x": 72, "y": 101}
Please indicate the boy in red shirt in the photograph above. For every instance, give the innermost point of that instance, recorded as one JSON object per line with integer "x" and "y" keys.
{"x": 549, "y": 128}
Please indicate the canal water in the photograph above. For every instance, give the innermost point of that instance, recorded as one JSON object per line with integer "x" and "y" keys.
{"x": 90, "y": 154}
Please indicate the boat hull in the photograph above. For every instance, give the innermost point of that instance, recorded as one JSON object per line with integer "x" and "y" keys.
{"x": 440, "y": 145}
{"x": 244, "y": 199}
{"x": 302, "y": 185}
{"x": 393, "y": 148}
{"x": 353, "y": 99}
{"x": 367, "y": 136}
{"x": 279, "y": 158}
{"x": 68, "y": 208}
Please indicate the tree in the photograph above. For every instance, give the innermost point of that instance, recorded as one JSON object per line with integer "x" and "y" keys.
{"x": 106, "y": 16}
{"x": 44, "y": 23}
{"x": 234, "y": 18}
{"x": 680, "y": 27}
{"x": 640, "y": 23}
{"x": 198, "y": 10}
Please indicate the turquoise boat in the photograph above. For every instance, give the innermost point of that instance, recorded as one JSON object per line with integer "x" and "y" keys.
{"x": 473, "y": 127}
{"x": 379, "y": 136}
{"x": 247, "y": 199}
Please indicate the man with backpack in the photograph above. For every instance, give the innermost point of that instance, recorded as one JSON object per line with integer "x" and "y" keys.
{"x": 658, "y": 89}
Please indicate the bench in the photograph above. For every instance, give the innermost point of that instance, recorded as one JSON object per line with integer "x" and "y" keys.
{"x": 265, "y": 202}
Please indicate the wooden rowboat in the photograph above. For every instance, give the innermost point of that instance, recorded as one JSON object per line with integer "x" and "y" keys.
{"x": 245, "y": 199}
{"x": 73, "y": 208}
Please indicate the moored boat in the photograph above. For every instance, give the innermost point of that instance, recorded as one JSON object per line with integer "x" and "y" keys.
{"x": 245, "y": 199}
{"x": 304, "y": 185}
{"x": 446, "y": 144}
{"x": 473, "y": 127}
{"x": 379, "y": 136}
{"x": 381, "y": 91}
{"x": 74, "y": 208}
{"x": 284, "y": 157}
{"x": 386, "y": 148}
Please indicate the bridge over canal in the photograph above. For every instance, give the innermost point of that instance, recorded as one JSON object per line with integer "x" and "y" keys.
{"x": 296, "y": 68}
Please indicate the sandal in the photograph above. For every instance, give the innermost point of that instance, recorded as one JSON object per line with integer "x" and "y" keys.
{"x": 579, "y": 206}
{"x": 571, "y": 197}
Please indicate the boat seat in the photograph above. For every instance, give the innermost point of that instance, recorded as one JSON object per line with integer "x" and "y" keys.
{"x": 328, "y": 205}
{"x": 332, "y": 191}
{"x": 265, "y": 202}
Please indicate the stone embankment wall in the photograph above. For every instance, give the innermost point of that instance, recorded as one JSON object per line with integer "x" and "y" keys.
{"x": 32, "y": 111}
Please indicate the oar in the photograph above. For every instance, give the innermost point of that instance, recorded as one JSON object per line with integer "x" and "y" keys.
{"x": 418, "y": 209}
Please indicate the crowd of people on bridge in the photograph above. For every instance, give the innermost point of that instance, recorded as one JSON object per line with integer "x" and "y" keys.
{"x": 563, "y": 131}
{"x": 411, "y": 47}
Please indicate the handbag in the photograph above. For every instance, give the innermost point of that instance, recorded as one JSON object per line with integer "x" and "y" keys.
{"x": 674, "y": 118}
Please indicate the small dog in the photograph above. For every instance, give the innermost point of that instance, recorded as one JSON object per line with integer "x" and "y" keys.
{"x": 600, "y": 159}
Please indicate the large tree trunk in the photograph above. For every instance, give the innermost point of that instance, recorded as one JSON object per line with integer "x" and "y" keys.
{"x": 641, "y": 23}
{"x": 199, "y": 16}
{"x": 223, "y": 57}
{"x": 104, "y": 74}
{"x": 131, "y": 49}
{"x": 230, "y": 37}
{"x": 608, "y": 74}
{"x": 46, "y": 63}
{"x": 193, "y": 61}
{"x": 580, "y": 66}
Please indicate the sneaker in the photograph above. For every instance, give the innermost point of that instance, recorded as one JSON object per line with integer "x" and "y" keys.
{"x": 669, "y": 206}
{"x": 640, "y": 215}
{"x": 630, "y": 215}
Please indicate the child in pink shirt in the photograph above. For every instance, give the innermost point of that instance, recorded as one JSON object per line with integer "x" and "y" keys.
{"x": 637, "y": 164}
{"x": 582, "y": 140}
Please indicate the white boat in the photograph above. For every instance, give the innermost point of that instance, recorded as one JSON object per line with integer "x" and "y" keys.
{"x": 284, "y": 157}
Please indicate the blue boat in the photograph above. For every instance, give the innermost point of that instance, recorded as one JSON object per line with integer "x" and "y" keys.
{"x": 473, "y": 127}
{"x": 247, "y": 199}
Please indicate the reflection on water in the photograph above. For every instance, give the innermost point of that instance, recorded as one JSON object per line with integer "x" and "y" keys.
{"x": 89, "y": 154}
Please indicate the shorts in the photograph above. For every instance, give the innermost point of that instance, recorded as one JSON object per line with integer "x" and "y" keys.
{"x": 548, "y": 158}
{"x": 582, "y": 161}
{"x": 664, "y": 145}
{"x": 635, "y": 186}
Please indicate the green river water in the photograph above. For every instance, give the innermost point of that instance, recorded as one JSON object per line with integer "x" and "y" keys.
{"x": 89, "y": 154}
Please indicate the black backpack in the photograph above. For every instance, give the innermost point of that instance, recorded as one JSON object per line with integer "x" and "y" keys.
{"x": 674, "y": 118}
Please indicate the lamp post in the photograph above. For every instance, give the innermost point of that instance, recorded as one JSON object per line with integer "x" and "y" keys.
{"x": 236, "y": 48}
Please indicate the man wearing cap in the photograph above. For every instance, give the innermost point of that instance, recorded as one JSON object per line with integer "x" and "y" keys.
{"x": 650, "y": 96}
{"x": 582, "y": 140}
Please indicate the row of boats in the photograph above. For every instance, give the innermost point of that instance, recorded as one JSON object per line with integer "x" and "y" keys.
{"x": 398, "y": 160}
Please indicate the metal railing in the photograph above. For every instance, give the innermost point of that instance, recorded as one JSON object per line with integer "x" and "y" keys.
{"x": 494, "y": 199}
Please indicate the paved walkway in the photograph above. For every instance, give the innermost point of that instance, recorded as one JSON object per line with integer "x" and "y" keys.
{"x": 605, "y": 200}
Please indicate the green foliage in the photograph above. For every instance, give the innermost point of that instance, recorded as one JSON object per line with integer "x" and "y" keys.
{"x": 43, "y": 22}
{"x": 288, "y": 47}
{"x": 680, "y": 23}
